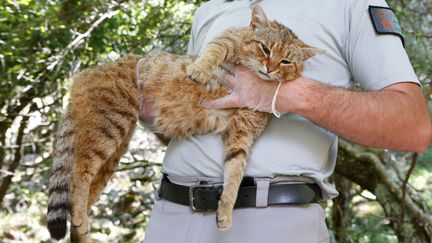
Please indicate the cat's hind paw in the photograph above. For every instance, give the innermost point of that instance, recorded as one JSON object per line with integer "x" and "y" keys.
{"x": 198, "y": 74}
{"x": 76, "y": 237}
{"x": 80, "y": 224}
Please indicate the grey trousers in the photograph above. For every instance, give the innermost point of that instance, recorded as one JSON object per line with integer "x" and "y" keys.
{"x": 175, "y": 223}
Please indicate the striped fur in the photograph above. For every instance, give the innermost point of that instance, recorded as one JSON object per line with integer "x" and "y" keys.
{"x": 92, "y": 137}
{"x": 59, "y": 186}
{"x": 104, "y": 104}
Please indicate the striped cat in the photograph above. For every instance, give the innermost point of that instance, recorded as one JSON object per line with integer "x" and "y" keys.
{"x": 104, "y": 103}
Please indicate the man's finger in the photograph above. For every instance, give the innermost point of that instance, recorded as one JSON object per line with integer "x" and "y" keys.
{"x": 233, "y": 69}
{"x": 229, "y": 101}
{"x": 225, "y": 78}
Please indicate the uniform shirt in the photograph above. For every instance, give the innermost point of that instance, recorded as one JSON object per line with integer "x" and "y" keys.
{"x": 293, "y": 145}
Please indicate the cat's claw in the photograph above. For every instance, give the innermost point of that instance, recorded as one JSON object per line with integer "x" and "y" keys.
{"x": 212, "y": 85}
{"x": 198, "y": 74}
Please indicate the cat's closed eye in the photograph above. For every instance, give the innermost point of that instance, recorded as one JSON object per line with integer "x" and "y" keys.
{"x": 265, "y": 49}
{"x": 284, "y": 61}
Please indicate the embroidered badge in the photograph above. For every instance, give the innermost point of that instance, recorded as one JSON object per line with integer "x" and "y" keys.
{"x": 385, "y": 21}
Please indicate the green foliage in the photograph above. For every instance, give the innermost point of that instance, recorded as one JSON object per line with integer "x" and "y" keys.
{"x": 43, "y": 43}
{"x": 370, "y": 225}
{"x": 416, "y": 22}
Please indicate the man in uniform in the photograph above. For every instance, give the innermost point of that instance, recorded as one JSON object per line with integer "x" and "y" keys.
{"x": 363, "y": 44}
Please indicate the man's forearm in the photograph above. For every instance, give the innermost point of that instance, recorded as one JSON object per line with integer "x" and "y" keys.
{"x": 390, "y": 118}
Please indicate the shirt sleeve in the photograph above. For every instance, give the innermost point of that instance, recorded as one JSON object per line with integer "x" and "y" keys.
{"x": 191, "y": 44}
{"x": 375, "y": 60}
{"x": 193, "y": 48}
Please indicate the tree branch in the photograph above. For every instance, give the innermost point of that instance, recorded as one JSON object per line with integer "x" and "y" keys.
{"x": 19, "y": 153}
{"x": 141, "y": 164}
{"x": 78, "y": 40}
{"x": 404, "y": 188}
{"x": 371, "y": 174}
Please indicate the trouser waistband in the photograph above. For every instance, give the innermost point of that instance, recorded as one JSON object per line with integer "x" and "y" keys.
{"x": 196, "y": 180}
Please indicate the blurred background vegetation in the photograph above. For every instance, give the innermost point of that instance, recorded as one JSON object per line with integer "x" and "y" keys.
{"x": 385, "y": 195}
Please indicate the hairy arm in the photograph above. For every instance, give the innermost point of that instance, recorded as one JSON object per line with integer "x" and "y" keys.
{"x": 395, "y": 117}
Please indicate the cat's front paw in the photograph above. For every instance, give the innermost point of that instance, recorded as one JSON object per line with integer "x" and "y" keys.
{"x": 224, "y": 216}
{"x": 198, "y": 74}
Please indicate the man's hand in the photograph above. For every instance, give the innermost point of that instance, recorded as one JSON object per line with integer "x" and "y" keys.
{"x": 395, "y": 117}
{"x": 247, "y": 90}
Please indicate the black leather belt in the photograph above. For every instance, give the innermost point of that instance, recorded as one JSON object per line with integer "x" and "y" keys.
{"x": 205, "y": 197}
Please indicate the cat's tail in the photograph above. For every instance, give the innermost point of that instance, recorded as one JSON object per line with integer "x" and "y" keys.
{"x": 59, "y": 181}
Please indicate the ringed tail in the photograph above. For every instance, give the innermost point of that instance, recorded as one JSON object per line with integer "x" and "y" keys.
{"x": 59, "y": 181}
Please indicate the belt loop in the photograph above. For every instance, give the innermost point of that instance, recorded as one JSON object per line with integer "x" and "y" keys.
{"x": 156, "y": 187}
{"x": 263, "y": 185}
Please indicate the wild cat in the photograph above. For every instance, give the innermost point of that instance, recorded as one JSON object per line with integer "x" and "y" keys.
{"x": 104, "y": 101}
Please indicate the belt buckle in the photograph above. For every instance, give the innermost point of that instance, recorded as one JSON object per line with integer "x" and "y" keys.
{"x": 191, "y": 196}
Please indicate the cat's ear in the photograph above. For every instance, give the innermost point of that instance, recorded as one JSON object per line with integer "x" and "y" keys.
{"x": 309, "y": 51}
{"x": 259, "y": 18}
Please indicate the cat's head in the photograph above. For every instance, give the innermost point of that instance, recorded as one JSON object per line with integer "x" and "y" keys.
{"x": 272, "y": 50}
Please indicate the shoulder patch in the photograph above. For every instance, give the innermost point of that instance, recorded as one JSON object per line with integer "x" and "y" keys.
{"x": 385, "y": 21}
